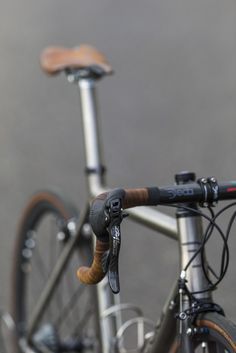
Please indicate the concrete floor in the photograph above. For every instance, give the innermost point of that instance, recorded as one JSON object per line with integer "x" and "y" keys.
{"x": 169, "y": 107}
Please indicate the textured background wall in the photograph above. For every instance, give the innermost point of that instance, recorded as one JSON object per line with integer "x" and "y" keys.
{"x": 170, "y": 106}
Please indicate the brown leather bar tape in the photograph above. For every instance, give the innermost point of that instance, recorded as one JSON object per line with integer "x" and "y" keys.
{"x": 130, "y": 198}
{"x": 135, "y": 197}
{"x": 94, "y": 274}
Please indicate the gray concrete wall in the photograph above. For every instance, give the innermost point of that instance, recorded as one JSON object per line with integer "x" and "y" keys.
{"x": 170, "y": 106}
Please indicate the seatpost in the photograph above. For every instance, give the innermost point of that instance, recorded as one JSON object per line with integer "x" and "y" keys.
{"x": 93, "y": 155}
{"x": 95, "y": 177}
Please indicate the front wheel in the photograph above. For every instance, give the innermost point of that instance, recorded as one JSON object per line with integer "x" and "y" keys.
{"x": 220, "y": 336}
{"x": 69, "y": 321}
{"x": 214, "y": 334}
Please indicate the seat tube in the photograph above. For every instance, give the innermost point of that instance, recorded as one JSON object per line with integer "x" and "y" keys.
{"x": 93, "y": 155}
{"x": 95, "y": 179}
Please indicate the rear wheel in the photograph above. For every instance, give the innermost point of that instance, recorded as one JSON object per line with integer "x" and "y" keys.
{"x": 69, "y": 322}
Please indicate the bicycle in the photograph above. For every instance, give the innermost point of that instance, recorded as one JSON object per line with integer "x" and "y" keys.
{"x": 190, "y": 321}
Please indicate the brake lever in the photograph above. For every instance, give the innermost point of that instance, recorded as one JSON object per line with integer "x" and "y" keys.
{"x": 113, "y": 268}
{"x": 111, "y": 259}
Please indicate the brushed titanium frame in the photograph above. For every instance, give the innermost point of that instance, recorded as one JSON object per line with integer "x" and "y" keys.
{"x": 183, "y": 230}
{"x": 187, "y": 231}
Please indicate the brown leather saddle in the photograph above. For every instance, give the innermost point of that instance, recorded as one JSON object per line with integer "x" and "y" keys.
{"x": 56, "y": 59}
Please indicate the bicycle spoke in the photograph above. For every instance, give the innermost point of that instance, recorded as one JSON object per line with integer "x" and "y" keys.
{"x": 83, "y": 322}
{"x": 73, "y": 287}
{"x": 40, "y": 264}
{"x": 65, "y": 311}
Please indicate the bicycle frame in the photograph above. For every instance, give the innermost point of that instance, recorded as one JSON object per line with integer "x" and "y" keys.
{"x": 186, "y": 230}
{"x": 94, "y": 164}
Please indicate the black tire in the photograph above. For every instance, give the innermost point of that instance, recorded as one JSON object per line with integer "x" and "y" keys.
{"x": 70, "y": 319}
{"x": 218, "y": 335}
{"x": 221, "y": 336}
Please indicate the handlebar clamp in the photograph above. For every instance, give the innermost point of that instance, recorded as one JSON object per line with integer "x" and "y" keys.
{"x": 210, "y": 191}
